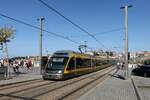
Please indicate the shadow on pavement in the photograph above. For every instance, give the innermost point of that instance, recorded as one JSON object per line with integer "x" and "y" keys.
{"x": 118, "y": 76}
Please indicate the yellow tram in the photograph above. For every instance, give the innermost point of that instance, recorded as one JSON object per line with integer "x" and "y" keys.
{"x": 65, "y": 64}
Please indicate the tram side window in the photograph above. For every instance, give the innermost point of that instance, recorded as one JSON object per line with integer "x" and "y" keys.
{"x": 71, "y": 64}
{"x": 98, "y": 63}
{"x": 104, "y": 62}
{"x": 86, "y": 63}
{"x": 93, "y": 63}
{"x": 78, "y": 62}
{"x": 83, "y": 63}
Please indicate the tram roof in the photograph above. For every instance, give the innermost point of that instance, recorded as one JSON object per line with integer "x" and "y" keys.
{"x": 67, "y": 53}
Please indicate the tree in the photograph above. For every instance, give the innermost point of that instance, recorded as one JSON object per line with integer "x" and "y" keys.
{"x": 6, "y": 33}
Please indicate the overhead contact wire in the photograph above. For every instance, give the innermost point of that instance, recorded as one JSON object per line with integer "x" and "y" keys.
{"x": 52, "y": 33}
{"x": 76, "y": 25}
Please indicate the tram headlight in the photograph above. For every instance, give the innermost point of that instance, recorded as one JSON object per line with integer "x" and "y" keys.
{"x": 59, "y": 71}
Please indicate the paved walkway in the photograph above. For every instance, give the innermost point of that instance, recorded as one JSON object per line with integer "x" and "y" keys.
{"x": 113, "y": 88}
{"x": 22, "y": 75}
{"x": 143, "y": 86}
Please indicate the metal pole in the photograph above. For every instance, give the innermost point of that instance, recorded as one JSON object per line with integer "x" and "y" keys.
{"x": 126, "y": 40}
{"x": 7, "y": 60}
{"x": 40, "y": 43}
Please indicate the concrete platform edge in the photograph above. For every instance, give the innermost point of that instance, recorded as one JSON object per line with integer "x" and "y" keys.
{"x": 139, "y": 96}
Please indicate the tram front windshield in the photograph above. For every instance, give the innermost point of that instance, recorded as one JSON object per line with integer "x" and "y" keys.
{"x": 57, "y": 63}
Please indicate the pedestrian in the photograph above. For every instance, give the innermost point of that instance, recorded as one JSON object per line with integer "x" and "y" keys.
{"x": 14, "y": 67}
{"x": 2, "y": 65}
{"x": 27, "y": 65}
{"x": 9, "y": 61}
{"x": 30, "y": 64}
{"x": 118, "y": 64}
{"x": 21, "y": 63}
{"x": 2, "y": 62}
{"x": 117, "y": 67}
{"x": 122, "y": 65}
{"x": 17, "y": 66}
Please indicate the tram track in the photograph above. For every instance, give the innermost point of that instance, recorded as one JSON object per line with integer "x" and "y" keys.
{"x": 21, "y": 88}
{"x": 8, "y": 86}
{"x": 72, "y": 82}
{"x": 49, "y": 88}
{"x": 20, "y": 82}
{"x": 71, "y": 89}
{"x": 82, "y": 89}
{"x": 30, "y": 92}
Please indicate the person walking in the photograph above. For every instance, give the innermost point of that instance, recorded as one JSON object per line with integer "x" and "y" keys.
{"x": 14, "y": 67}
{"x": 117, "y": 67}
{"x": 27, "y": 65}
{"x": 21, "y": 63}
{"x": 17, "y": 65}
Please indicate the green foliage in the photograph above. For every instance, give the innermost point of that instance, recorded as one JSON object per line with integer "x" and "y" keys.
{"x": 147, "y": 62}
{"x": 6, "y": 33}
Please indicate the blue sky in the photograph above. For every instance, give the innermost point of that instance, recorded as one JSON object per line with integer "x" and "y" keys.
{"x": 96, "y": 16}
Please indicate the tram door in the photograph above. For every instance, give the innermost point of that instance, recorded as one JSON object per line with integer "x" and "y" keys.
{"x": 72, "y": 66}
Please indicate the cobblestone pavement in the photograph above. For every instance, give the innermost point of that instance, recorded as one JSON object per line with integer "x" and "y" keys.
{"x": 24, "y": 70}
{"x": 113, "y": 88}
{"x": 143, "y": 85}
{"x": 24, "y": 74}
